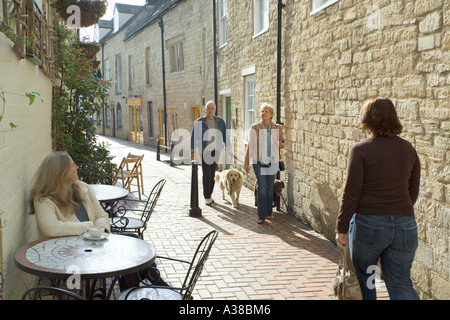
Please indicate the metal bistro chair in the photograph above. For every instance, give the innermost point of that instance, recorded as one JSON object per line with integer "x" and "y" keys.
{"x": 55, "y": 293}
{"x": 137, "y": 219}
{"x": 152, "y": 292}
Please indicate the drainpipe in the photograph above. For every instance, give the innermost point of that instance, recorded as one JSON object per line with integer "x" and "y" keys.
{"x": 215, "y": 53}
{"x": 279, "y": 28}
{"x": 161, "y": 25}
{"x": 103, "y": 76}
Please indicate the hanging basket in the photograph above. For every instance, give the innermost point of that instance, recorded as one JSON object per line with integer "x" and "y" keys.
{"x": 90, "y": 11}
{"x": 90, "y": 50}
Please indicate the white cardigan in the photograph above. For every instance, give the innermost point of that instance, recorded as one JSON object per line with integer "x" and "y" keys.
{"x": 54, "y": 222}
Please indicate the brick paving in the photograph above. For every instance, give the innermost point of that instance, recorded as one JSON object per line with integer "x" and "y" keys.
{"x": 282, "y": 259}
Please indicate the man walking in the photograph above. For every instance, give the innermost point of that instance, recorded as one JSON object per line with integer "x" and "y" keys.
{"x": 208, "y": 136}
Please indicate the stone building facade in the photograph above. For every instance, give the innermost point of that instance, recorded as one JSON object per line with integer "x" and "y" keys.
{"x": 334, "y": 56}
{"x": 180, "y": 89}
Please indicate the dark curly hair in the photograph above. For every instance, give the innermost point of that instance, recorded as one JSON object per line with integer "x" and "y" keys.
{"x": 379, "y": 117}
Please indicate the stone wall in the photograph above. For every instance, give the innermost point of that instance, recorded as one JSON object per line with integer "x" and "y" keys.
{"x": 190, "y": 21}
{"x": 333, "y": 61}
{"x": 22, "y": 149}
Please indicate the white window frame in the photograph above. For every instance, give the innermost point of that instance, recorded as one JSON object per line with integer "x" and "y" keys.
{"x": 118, "y": 74}
{"x": 319, "y": 5}
{"x": 176, "y": 56}
{"x": 260, "y": 17}
{"x": 249, "y": 104}
{"x": 223, "y": 17}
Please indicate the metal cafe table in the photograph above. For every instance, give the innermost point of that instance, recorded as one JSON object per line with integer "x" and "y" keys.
{"x": 108, "y": 195}
{"x": 63, "y": 257}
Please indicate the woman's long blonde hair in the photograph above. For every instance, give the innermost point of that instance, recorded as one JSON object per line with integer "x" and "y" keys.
{"x": 51, "y": 181}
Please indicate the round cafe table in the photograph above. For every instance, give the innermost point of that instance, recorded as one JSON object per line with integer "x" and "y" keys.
{"x": 63, "y": 257}
{"x": 108, "y": 195}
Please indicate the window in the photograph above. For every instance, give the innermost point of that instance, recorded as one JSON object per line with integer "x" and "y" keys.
{"x": 99, "y": 119}
{"x": 107, "y": 118}
{"x": 150, "y": 120}
{"x": 176, "y": 57}
{"x": 130, "y": 73}
{"x": 148, "y": 80}
{"x": 34, "y": 47}
{"x": 119, "y": 116}
{"x": 249, "y": 104}
{"x": 107, "y": 75}
{"x": 318, "y": 5}
{"x": 222, "y": 22}
{"x": 260, "y": 16}
{"x": 118, "y": 75}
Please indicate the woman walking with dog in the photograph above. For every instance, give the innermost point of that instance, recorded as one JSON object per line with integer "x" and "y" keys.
{"x": 266, "y": 139}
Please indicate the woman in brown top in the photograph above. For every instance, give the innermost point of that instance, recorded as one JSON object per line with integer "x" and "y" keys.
{"x": 382, "y": 185}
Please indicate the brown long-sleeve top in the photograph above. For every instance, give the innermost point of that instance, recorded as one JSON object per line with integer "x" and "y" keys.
{"x": 383, "y": 178}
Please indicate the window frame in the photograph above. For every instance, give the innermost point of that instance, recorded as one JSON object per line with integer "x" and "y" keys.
{"x": 118, "y": 74}
{"x": 130, "y": 72}
{"x": 107, "y": 118}
{"x": 260, "y": 17}
{"x": 176, "y": 56}
{"x": 151, "y": 128}
{"x": 319, "y": 5}
{"x": 223, "y": 20}
{"x": 148, "y": 78}
{"x": 249, "y": 104}
{"x": 119, "y": 116}
{"x": 107, "y": 75}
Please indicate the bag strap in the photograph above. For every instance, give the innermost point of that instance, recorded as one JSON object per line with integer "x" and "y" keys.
{"x": 346, "y": 259}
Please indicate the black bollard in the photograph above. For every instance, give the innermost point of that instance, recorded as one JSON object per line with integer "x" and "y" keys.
{"x": 194, "y": 211}
{"x": 158, "y": 150}
{"x": 172, "y": 164}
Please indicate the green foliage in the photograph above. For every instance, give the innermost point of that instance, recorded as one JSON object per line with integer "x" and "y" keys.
{"x": 31, "y": 96}
{"x": 80, "y": 95}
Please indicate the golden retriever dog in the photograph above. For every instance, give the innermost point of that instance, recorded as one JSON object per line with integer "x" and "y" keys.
{"x": 230, "y": 180}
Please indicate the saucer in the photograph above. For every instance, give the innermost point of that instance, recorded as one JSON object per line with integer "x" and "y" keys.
{"x": 87, "y": 236}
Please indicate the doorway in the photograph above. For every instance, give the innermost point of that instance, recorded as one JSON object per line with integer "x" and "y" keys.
{"x": 135, "y": 111}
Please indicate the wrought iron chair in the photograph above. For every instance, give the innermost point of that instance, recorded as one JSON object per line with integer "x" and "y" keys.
{"x": 90, "y": 174}
{"x": 137, "y": 219}
{"x": 37, "y": 293}
{"x": 152, "y": 292}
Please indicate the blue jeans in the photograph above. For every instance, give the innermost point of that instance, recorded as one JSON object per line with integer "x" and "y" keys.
{"x": 265, "y": 186}
{"x": 393, "y": 240}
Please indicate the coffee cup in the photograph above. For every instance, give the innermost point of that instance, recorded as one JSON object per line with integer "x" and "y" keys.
{"x": 96, "y": 232}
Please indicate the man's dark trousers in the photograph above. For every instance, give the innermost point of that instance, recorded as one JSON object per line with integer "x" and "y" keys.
{"x": 209, "y": 171}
